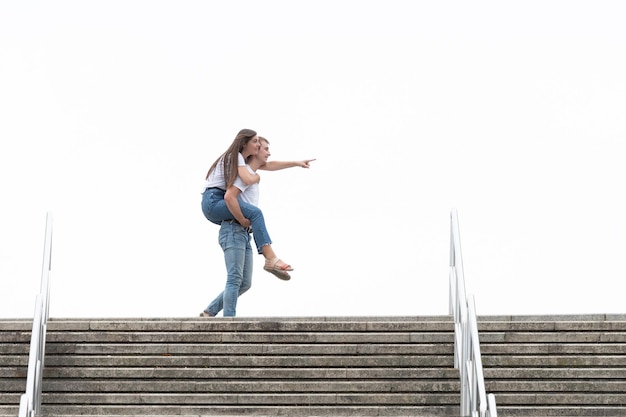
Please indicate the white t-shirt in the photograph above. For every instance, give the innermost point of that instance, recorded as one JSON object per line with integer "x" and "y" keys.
{"x": 249, "y": 193}
{"x": 216, "y": 179}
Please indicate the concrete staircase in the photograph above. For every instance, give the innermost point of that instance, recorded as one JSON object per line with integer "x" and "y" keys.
{"x": 555, "y": 365}
{"x": 345, "y": 366}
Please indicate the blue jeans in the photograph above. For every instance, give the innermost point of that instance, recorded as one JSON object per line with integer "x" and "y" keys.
{"x": 215, "y": 210}
{"x": 235, "y": 242}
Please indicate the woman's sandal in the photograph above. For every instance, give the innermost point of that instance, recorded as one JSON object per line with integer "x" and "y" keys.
{"x": 280, "y": 271}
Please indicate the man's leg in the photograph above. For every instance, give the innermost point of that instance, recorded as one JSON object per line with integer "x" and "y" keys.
{"x": 216, "y": 305}
{"x": 233, "y": 240}
{"x": 246, "y": 283}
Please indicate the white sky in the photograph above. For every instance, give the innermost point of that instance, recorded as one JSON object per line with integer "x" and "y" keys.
{"x": 513, "y": 113}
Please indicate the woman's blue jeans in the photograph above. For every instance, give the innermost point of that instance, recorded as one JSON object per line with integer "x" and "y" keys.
{"x": 235, "y": 242}
{"x": 215, "y": 210}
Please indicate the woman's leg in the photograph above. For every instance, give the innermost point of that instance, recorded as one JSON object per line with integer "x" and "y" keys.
{"x": 215, "y": 210}
{"x": 264, "y": 242}
{"x": 213, "y": 206}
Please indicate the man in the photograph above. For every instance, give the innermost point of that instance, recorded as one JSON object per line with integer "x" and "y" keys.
{"x": 234, "y": 236}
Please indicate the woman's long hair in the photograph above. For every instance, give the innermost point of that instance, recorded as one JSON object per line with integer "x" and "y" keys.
{"x": 229, "y": 159}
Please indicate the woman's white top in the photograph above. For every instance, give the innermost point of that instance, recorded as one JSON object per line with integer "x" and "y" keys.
{"x": 216, "y": 178}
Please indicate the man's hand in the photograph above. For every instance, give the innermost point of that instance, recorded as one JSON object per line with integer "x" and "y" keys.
{"x": 305, "y": 163}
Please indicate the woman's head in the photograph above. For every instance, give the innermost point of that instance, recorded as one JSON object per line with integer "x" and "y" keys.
{"x": 246, "y": 143}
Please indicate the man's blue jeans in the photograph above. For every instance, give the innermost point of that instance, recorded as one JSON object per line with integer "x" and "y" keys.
{"x": 235, "y": 242}
{"x": 215, "y": 210}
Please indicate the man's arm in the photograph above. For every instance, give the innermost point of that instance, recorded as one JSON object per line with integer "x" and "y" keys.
{"x": 230, "y": 198}
{"x": 277, "y": 165}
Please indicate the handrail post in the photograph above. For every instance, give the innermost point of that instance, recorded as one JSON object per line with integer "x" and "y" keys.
{"x": 23, "y": 411}
{"x": 491, "y": 406}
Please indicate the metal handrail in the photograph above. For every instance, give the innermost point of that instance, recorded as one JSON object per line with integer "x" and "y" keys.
{"x": 30, "y": 401}
{"x": 474, "y": 399}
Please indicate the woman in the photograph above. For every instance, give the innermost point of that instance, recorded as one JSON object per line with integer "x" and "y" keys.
{"x": 221, "y": 176}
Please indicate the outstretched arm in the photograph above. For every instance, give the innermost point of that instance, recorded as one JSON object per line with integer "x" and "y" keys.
{"x": 230, "y": 198}
{"x": 277, "y": 165}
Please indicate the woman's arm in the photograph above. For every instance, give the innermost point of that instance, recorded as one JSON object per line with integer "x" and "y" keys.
{"x": 277, "y": 165}
{"x": 230, "y": 198}
{"x": 246, "y": 176}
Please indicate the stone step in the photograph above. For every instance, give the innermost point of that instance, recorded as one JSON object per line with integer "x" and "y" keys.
{"x": 251, "y": 386}
{"x": 291, "y": 361}
{"x": 325, "y": 398}
{"x": 243, "y": 373}
{"x": 308, "y": 411}
{"x": 301, "y": 410}
{"x": 260, "y": 324}
{"x": 247, "y": 348}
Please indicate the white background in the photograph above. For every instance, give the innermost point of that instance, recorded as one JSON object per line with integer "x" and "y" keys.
{"x": 111, "y": 112}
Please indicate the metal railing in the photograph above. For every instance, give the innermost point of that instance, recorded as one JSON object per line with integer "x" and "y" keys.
{"x": 30, "y": 401}
{"x": 467, "y": 359}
